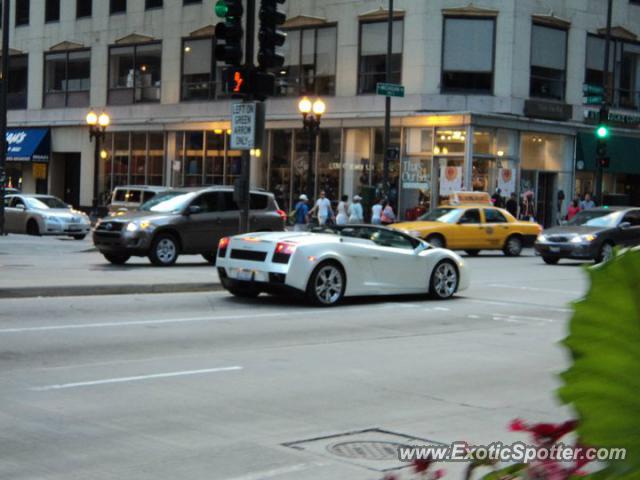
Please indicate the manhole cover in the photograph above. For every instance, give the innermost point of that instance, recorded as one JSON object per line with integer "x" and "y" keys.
{"x": 366, "y": 450}
{"x": 373, "y": 448}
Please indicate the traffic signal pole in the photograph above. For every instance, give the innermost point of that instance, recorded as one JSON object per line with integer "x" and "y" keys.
{"x": 387, "y": 104}
{"x": 245, "y": 163}
{"x": 4, "y": 87}
{"x": 606, "y": 101}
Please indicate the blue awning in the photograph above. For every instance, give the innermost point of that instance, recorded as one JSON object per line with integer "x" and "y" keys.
{"x": 28, "y": 145}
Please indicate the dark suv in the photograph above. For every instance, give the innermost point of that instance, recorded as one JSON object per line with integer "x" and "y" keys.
{"x": 183, "y": 221}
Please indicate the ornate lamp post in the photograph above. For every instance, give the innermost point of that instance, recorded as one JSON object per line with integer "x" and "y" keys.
{"x": 97, "y": 129}
{"x": 311, "y": 116}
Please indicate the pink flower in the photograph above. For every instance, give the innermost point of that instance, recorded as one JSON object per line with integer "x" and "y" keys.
{"x": 421, "y": 465}
{"x": 438, "y": 474}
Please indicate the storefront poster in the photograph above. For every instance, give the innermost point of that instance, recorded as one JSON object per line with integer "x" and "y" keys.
{"x": 506, "y": 181}
{"x": 415, "y": 174}
{"x": 450, "y": 180}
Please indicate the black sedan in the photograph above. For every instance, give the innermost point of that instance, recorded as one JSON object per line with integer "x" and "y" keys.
{"x": 591, "y": 235}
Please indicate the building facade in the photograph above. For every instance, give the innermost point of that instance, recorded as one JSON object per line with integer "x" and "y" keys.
{"x": 493, "y": 99}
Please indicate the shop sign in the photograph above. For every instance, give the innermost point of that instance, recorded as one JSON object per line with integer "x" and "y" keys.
{"x": 548, "y": 110}
{"x": 629, "y": 119}
{"x": 415, "y": 174}
{"x": 39, "y": 171}
{"x": 506, "y": 181}
{"x": 450, "y": 180}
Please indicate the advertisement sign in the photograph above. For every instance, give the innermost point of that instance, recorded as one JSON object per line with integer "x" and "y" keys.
{"x": 415, "y": 174}
{"x": 506, "y": 181}
{"x": 450, "y": 180}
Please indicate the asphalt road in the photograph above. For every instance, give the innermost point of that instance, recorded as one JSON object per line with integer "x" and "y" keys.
{"x": 203, "y": 386}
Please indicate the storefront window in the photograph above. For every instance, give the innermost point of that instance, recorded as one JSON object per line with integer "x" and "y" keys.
{"x": 449, "y": 141}
{"x": 415, "y": 193}
{"x": 301, "y": 163}
{"x": 328, "y": 162}
{"x": 234, "y": 166}
{"x": 280, "y": 168}
{"x": 138, "y": 158}
{"x": 155, "y": 159}
{"x": 450, "y": 176}
{"x": 418, "y": 141}
{"x": 120, "y": 172}
{"x": 357, "y": 161}
{"x": 214, "y": 158}
{"x": 193, "y": 158}
{"x": 377, "y": 175}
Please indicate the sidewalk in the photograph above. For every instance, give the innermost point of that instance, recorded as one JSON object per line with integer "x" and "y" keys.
{"x": 58, "y": 266}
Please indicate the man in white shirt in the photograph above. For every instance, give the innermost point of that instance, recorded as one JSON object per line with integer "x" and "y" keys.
{"x": 376, "y": 213}
{"x": 322, "y": 208}
{"x": 356, "y": 214}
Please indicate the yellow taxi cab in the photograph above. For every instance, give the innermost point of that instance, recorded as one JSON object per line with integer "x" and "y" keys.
{"x": 470, "y": 222}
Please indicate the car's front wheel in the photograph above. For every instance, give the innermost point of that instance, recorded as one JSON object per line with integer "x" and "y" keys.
{"x": 79, "y": 237}
{"x": 327, "y": 284}
{"x": 116, "y": 259}
{"x": 550, "y": 260}
{"x": 33, "y": 228}
{"x": 606, "y": 253}
{"x": 444, "y": 280}
{"x": 436, "y": 241}
{"x": 164, "y": 250}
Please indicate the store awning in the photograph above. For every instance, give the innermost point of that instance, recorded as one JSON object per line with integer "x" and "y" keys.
{"x": 28, "y": 145}
{"x": 624, "y": 153}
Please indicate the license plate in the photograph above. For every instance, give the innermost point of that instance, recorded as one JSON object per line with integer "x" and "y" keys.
{"x": 554, "y": 249}
{"x": 245, "y": 275}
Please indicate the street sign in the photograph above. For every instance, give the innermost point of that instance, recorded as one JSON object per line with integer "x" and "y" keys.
{"x": 589, "y": 89}
{"x": 247, "y": 125}
{"x": 390, "y": 89}
{"x": 592, "y": 100}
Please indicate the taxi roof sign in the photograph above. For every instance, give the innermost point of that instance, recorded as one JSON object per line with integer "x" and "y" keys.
{"x": 470, "y": 198}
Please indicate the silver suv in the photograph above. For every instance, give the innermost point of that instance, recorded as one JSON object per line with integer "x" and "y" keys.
{"x": 183, "y": 221}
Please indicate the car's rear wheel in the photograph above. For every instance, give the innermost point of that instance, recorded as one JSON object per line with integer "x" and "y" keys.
{"x": 513, "y": 246}
{"x": 327, "y": 284}
{"x": 244, "y": 292}
{"x": 33, "y": 228}
{"x": 210, "y": 257}
{"x": 550, "y": 260}
{"x": 79, "y": 237}
{"x": 436, "y": 241}
{"x": 606, "y": 253}
{"x": 164, "y": 250}
{"x": 444, "y": 280}
{"x": 473, "y": 253}
{"x": 116, "y": 259}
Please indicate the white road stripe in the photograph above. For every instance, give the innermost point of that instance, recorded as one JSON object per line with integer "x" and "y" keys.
{"x": 535, "y": 289}
{"x": 134, "y": 379}
{"x": 524, "y": 317}
{"x": 514, "y": 304}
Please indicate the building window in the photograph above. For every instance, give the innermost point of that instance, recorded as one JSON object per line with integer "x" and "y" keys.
{"x": 372, "y": 61}
{"x": 83, "y": 8}
{"x": 117, "y": 6}
{"x": 149, "y": 4}
{"x": 67, "y": 79}
{"x": 22, "y": 12}
{"x": 310, "y": 62}
{"x": 191, "y": 2}
{"x": 548, "y": 62}
{"x": 17, "y": 79}
{"x": 199, "y": 70}
{"x": 134, "y": 74}
{"x": 467, "y": 55}
{"x": 52, "y": 11}
{"x": 132, "y": 158}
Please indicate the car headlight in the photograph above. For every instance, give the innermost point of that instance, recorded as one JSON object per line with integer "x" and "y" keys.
{"x": 135, "y": 226}
{"x": 541, "y": 238}
{"x": 53, "y": 219}
{"x": 583, "y": 238}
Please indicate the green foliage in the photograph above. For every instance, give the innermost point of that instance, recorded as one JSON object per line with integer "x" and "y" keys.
{"x": 603, "y": 383}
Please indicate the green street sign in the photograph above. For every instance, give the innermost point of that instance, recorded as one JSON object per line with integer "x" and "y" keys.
{"x": 390, "y": 89}
{"x": 593, "y": 100}
{"x": 592, "y": 90}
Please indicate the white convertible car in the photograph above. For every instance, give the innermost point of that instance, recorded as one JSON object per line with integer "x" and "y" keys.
{"x": 327, "y": 265}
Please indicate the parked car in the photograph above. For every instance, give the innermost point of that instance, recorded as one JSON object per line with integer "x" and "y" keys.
{"x": 44, "y": 215}
{"x": 11, "y": 191}
{"x": 188, "y": 221}
{"x": 129, "y": 198}
{"x": 341, "y": 261}
{"x": 591, "y": 235}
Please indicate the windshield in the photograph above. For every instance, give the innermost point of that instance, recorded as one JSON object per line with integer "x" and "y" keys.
{"x": 44, "y": 203}
{"x": 159, "y": 198}
{"x": 443, "y": 215}
{"x": 168, "y": 203}
{"x": 596, "y": 218}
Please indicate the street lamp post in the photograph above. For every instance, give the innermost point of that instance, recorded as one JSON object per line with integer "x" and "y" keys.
{"x": 311, "y": 116}
{"x": 97, "y": 129}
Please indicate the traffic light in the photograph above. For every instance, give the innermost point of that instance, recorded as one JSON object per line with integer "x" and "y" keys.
{"x": 247, "y": 82}
{"x": 269, "y": 36}
{"x": 230, "y": 31}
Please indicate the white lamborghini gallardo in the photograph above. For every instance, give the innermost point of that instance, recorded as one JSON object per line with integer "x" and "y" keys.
{"x": 338, "y": 261}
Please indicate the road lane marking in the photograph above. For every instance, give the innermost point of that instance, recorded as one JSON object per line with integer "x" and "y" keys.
{"x": 135, "y": 379}
{"x": 512, "y": 304}
{"x": 535, "y": 289}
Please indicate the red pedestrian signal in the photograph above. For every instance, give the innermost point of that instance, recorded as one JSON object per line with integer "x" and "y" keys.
{"x": 239, "y": 81}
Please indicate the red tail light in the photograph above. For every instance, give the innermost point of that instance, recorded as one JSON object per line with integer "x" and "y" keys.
{"x": 222, "y": 246}
{"x": 283, "y": 215}
{"x": 283, "y": 252}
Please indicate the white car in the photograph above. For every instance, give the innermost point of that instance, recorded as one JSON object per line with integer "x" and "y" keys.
{"x": 350, "y": 260}
{"x": 44, "y": 215}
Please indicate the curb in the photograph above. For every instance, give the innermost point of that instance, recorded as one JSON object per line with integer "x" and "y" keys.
{"x": 91, "y": 290}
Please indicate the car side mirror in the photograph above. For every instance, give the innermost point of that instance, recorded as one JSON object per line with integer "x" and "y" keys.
{"x": 193, "y": 210}
{"x": 625, "y": 225}
{"x": 21, "y": 207}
